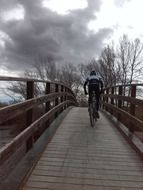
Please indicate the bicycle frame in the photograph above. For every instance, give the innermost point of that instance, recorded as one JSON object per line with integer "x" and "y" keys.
{"x": 93, "y": 110}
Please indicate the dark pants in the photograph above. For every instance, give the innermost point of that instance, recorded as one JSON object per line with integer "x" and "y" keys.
{"x": 91, "y": 89}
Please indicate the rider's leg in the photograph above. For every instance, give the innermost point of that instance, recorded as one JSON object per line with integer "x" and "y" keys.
{"x": 97, "y": 105}
{"x": 90, "y": 95}
{"x": 97, "y": 100}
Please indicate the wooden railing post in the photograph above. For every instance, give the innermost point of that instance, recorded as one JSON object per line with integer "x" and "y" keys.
{"x": 132, "y": 108}
{"x": 47, "y": 92}
{"x": 47, "y": 104}
{"x": 112, "y": 99}
{"x": 62, "y": 97}
{"x": 30, "y": 94}
{"x": 133, "y": 95}
{"x": 65, "y": 97}
{"x": 62, "y": 89}
{"x": 112, "y": 92}
{"x": 103, "y": 100}
{"x": 18, "y": 147}
{"x": 107, "y": 92}
{"x": 29, "y": 114}
{"x": 57, "y": 99}
{"x": 120, "y": 91}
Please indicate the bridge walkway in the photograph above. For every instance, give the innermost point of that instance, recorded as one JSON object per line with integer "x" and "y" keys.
{"x": 83, "y": 158}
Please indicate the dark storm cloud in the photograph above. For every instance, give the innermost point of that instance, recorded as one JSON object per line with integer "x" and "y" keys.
{"x": 43, "y": 32}
{"x": 6, "y": 5}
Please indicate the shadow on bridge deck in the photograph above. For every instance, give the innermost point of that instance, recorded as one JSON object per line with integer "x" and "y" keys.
{"x": 83, "y": 158}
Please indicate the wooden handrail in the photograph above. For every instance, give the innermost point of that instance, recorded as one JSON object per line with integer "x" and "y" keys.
{"x": 20, "y": 79}
{"x": 126, "y": 85}
{"x": 12, "y": 111}
{"x": 60, "y": 99}
{"x": 133, "y": 119}
{"x": 22, "y": 138}
{"x": 135, "y": 101}
{"x": 122, "y": 106}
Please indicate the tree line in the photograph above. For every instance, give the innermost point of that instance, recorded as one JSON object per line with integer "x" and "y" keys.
{"x": 120, "y": 65}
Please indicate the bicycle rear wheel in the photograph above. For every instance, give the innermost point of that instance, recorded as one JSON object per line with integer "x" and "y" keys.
{"x": 91, "y": 115}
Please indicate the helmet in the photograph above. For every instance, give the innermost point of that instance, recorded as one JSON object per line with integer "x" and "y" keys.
{"x": 92, "y": 73}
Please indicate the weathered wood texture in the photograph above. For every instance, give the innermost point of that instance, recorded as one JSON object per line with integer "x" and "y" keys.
{"x": 12, "y": 111}
{"x": 121, "y": 102}
{"x": 5, "y": 135}
{"x": 17, "y": 146}
{"x": 80, "y": 157}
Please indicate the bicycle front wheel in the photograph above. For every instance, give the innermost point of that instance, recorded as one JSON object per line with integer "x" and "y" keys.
{"x": 91, "y": 115}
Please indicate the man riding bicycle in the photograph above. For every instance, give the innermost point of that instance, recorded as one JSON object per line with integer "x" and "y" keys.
{"x": 95, "y": 84}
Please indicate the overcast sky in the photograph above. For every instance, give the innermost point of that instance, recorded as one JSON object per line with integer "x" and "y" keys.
{"x": 70, "y": 31}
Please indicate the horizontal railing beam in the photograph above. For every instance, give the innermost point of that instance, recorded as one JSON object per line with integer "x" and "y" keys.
{"x": 125, "y": 98}
{"x": 137, "y": 122}
{"x": 12, "y": 111}
{"x": 122, "y": 102}
{"x": 34, "y": 120}
{"x": 16, "y": 79}
{"x": 11, "y": 147}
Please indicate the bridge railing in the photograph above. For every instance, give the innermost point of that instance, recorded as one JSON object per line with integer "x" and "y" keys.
{"x": 122, "y": 101}
{"x": 56, "y": 99}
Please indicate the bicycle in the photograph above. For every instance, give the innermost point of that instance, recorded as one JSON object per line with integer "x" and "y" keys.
{"x": 92, "y": 110}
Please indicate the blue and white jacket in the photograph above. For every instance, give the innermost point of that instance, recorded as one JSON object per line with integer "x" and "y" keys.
{"x": 93, "y": 80}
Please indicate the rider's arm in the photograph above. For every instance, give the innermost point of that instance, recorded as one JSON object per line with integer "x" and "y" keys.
{"x": 85, "y": 91}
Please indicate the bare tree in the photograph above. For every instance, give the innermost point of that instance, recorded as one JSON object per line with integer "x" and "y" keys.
{"x": 129, "y": 59}
{"x": 108, "y": 68}
{"x": 17, "y": 90}
{"x": 114, "y": 68}
{"x": 130, "y": 54}
{"x": 136, "y": 59}
{"x": 123, "y": 56}
{"x": 85, "y": 69}
{"x": 71, "y": 77}
{"x": 45, "y": 68}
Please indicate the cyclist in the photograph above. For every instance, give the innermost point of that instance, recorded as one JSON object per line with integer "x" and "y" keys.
{"x": 95, "y": 84}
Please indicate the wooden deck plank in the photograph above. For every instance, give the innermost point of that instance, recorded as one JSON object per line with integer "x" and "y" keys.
{"x": 81, "y": 157}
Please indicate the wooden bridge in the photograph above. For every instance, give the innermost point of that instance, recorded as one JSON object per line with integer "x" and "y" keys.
{"x": 47, "y": 141}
